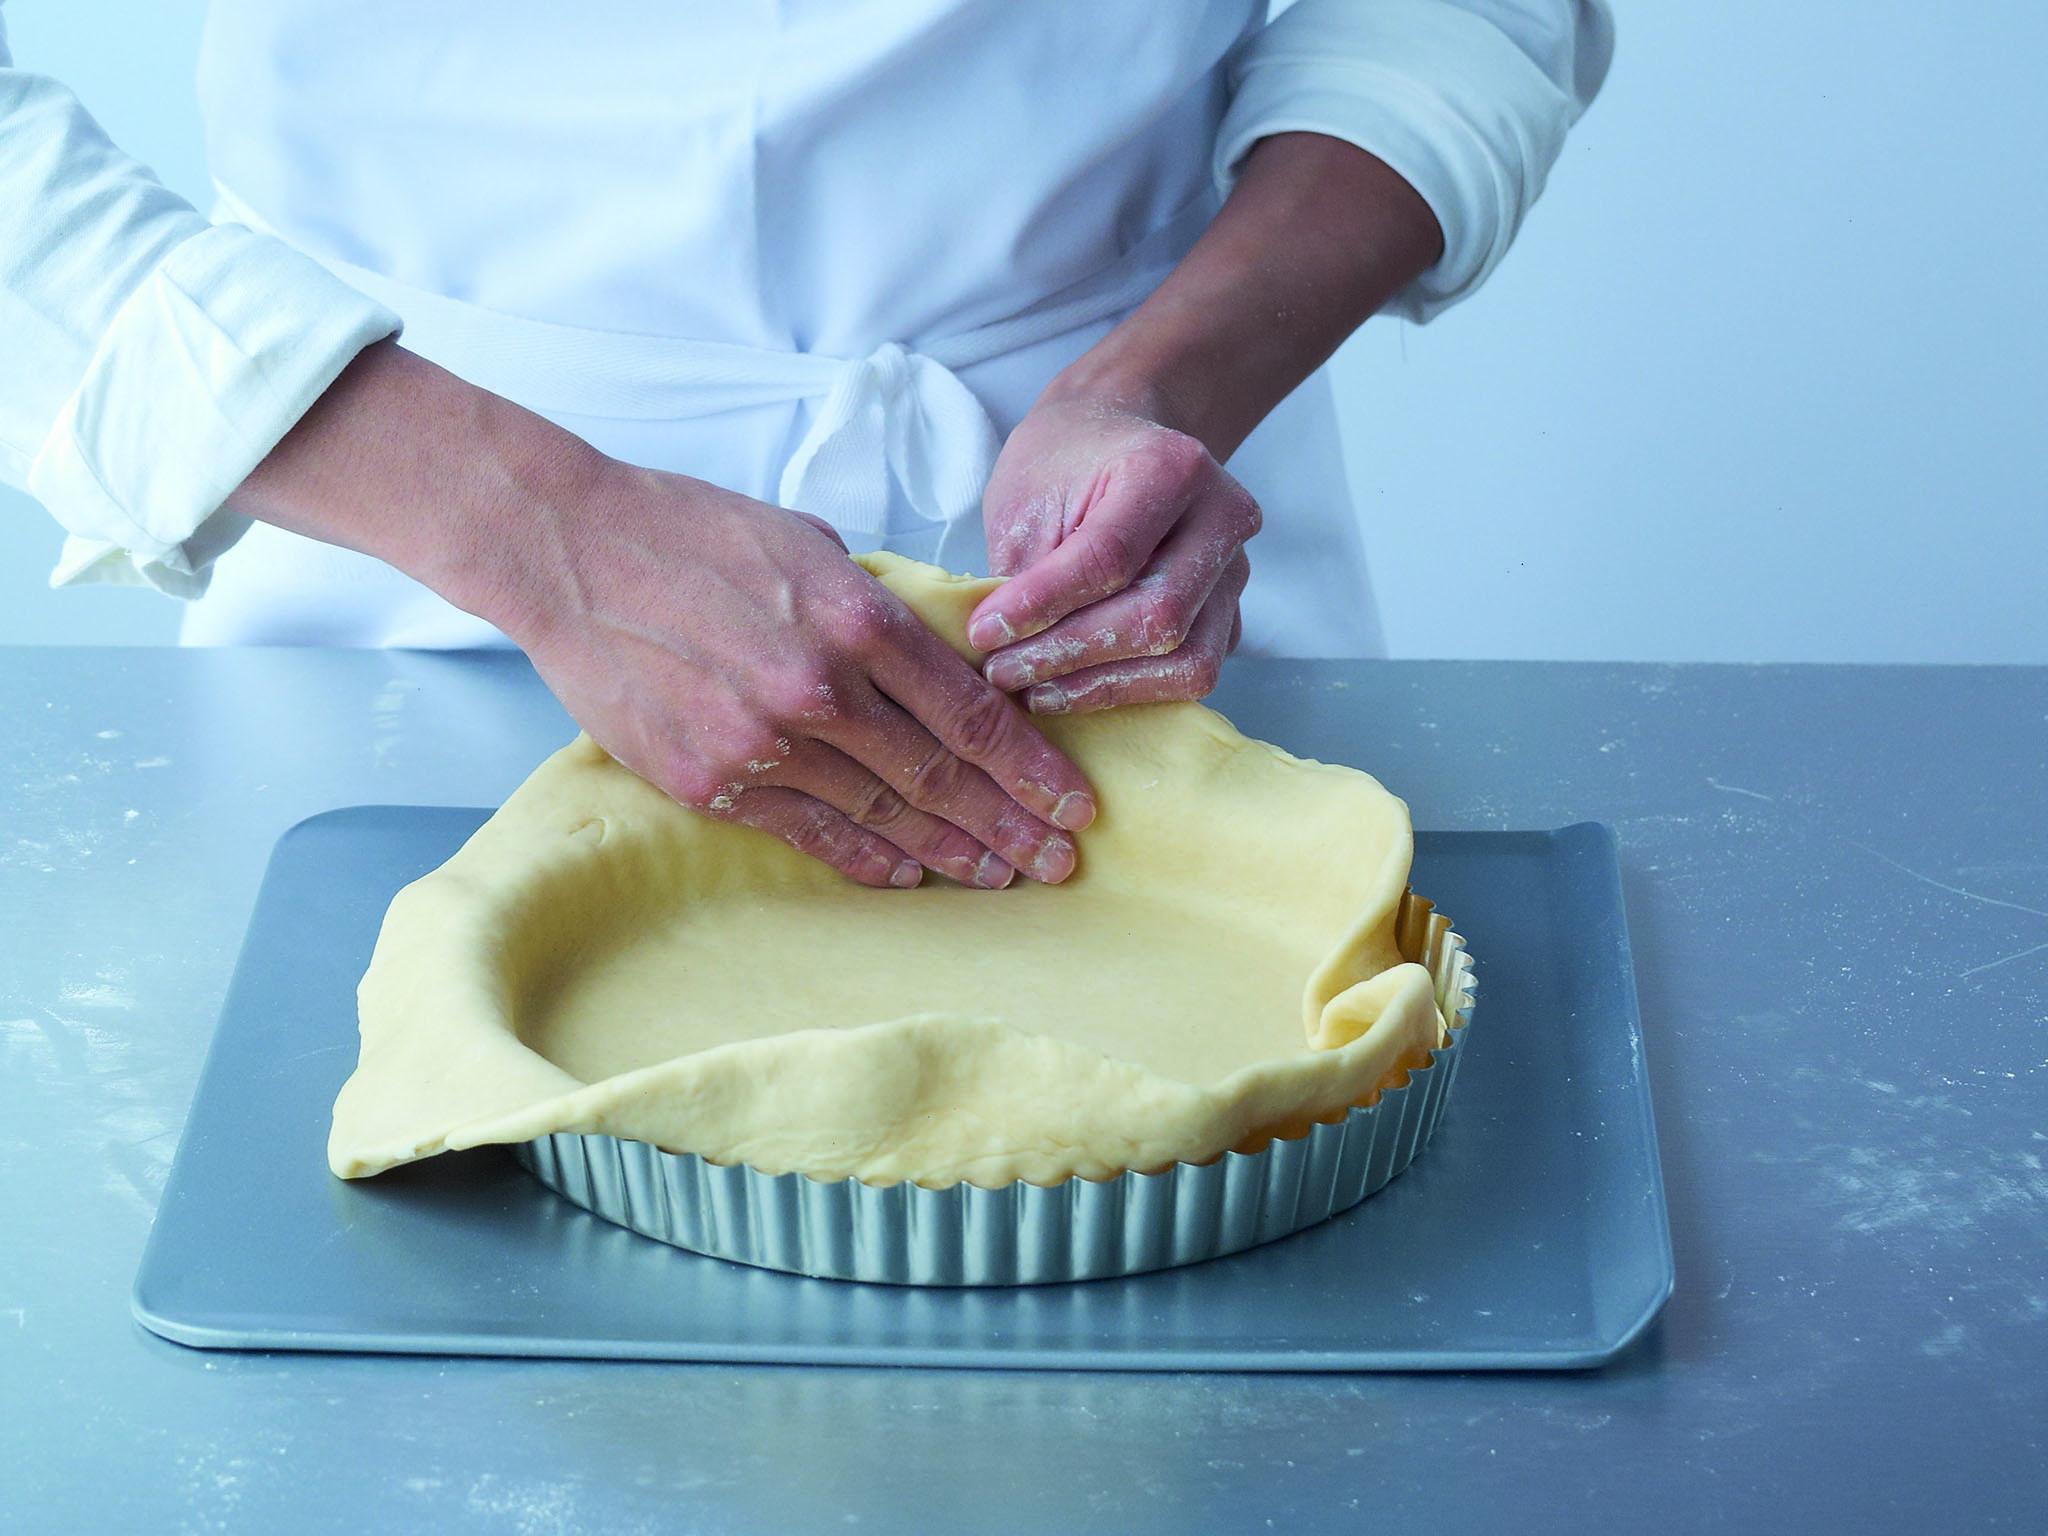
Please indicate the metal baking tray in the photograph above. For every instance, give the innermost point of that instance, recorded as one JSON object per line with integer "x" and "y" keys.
{"x": 1533, "y": 1234}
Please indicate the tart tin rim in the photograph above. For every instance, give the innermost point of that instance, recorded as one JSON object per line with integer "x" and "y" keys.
{"x": 1030, "y": 1234}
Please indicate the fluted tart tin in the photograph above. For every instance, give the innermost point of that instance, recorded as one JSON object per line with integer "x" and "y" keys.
{"x": 1028, "y": 1234}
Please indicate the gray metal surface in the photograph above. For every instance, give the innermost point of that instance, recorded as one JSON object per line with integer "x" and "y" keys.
{"x": 1534, "y": 1236}
{"x": 1836, "y": 883}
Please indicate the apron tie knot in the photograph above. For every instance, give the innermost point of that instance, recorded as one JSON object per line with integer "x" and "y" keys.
{"x": 893, "y": 417}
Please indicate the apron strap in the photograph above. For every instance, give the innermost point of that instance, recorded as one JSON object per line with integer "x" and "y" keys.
{"x": 897, "y": 417}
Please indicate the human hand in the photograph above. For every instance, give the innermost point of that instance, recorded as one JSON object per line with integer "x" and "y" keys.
{"x": 729, "y": 653}
{"x": 1124, "y": 543}
{"x": 725, "y": 650}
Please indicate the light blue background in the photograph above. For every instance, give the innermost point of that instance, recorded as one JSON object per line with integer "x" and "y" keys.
{"x": 1761, "y": 381}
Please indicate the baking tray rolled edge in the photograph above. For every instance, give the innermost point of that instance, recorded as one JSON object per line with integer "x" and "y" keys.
{"x": 1028, "y": 1234}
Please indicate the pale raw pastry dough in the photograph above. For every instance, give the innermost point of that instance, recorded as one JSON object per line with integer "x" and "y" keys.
{"x": 1220, "y": 969}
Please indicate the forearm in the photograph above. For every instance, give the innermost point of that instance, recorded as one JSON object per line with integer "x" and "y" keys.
{"x": 450, "y": 483}
{"x": 1314, "y": 238}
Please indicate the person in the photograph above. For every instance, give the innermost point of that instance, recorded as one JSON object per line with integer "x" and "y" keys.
{"x": 695, "y": 297}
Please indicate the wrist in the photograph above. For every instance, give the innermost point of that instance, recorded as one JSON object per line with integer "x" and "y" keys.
{"x": 1137, "y": 373}
{"x": 500, "y": 540}
{"x": 457, "y": 487}
{"x": 1315, "y": 237}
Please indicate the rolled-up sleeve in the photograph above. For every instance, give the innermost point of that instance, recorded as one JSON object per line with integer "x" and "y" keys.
{"x": 152, "y": 358}
{"x": 1468, "y": 100}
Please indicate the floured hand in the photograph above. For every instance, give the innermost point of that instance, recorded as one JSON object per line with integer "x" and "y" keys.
{"x": 1124, "y": 543}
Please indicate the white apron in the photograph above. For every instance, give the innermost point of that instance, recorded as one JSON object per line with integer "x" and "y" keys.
{"x": 825, "y": 266}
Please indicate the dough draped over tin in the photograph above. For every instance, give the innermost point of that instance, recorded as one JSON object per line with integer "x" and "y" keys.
{"x": 1221, "y": 969}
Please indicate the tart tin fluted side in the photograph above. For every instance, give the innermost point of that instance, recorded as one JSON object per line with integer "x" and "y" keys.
{"x": 1027, "y": 1234}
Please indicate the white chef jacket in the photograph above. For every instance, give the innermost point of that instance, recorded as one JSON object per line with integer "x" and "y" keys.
{"x": 824, "y": 253}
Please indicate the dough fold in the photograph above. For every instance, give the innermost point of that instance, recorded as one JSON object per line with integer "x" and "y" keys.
{"x": 1221, "y": 969}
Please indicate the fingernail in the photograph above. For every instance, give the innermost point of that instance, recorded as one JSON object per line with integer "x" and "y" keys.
{"x": 1047, "y": 699}
{"x": 907, "y": 874}
{"x": 1074, "y": 810}
{"x": 1007, "y": 672}
{"x": 992, "y": 873}
{"x": 988, "y": 632}
{"x": 1053, "y": 862}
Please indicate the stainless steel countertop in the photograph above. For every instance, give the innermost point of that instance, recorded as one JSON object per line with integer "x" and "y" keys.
{"x": 1838, "y": 889}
